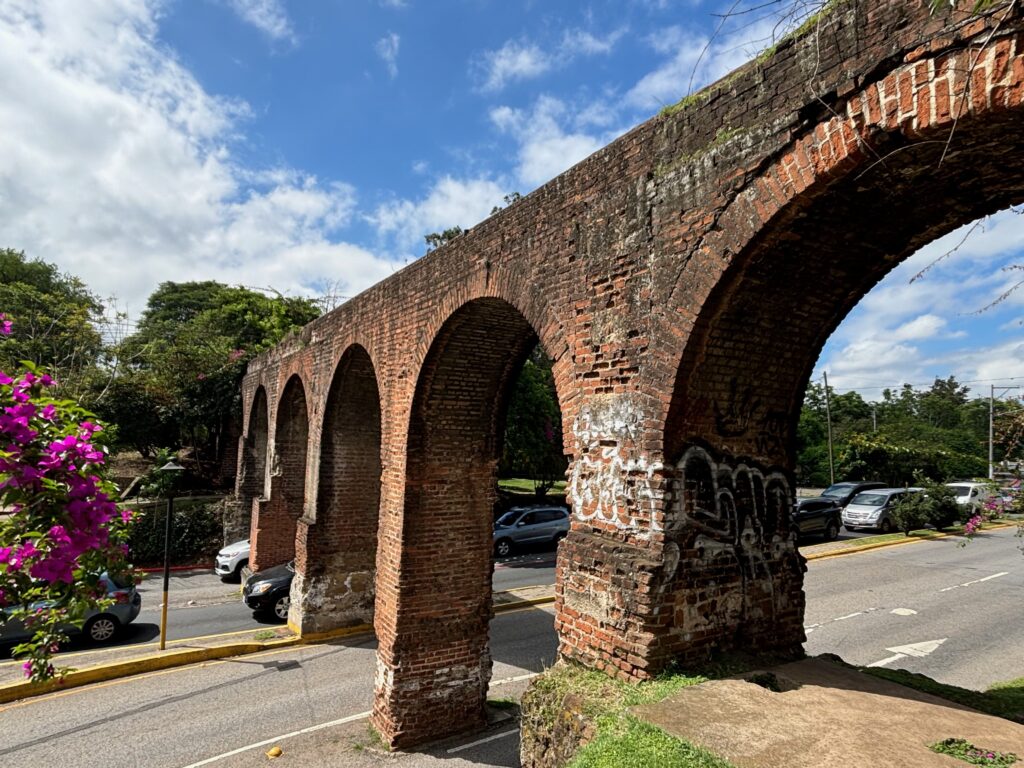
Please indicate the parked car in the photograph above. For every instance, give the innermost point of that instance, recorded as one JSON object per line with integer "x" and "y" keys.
{"x": 843, "y": 492}
{"x": 971, "y": 495}
{"x": 97, "y": 626}
{"x": 231, "y": 560}
{"x": 529, "y": 525}
{"x": 268, "y": 592}
{"x": 873, "y": 509}
{"x": 819, "y": 516}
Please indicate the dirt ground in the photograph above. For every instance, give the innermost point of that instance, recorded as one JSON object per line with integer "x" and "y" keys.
{"x": 826, "y": 715}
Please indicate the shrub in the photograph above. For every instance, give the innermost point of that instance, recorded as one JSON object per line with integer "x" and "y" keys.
{"x": 195, "y": 533}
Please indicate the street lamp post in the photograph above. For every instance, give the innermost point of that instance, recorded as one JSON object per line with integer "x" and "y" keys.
{"x": 173, "y": 467}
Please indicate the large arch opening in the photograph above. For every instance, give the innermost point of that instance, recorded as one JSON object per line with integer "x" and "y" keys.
{"x": 272, "y": 538}
{"x": 434, "y": 661}
{"x": 736, "y": 401}
{"x": 252, "y": 476}
{"x": 335, "y": 566}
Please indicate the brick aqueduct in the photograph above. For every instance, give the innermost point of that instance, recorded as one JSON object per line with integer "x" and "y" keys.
{"x": 684, "y": 280}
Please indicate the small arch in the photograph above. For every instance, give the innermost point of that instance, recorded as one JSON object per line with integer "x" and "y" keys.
{"x": 338, "y": 564}
{"x": 272, "y": 538}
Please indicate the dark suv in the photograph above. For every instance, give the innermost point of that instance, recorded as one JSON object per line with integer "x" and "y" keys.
{"x": 841, "y": 493}
{"x": 819, "y": 516}
{"x": 529, "y": 525}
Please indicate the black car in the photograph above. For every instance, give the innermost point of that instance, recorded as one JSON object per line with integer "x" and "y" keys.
{"x": 841, "y": 493}
{"x": 267, "y": 592}
{"x": 818, "y": 516}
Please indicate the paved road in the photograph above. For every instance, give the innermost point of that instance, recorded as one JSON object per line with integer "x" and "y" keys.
{"x": 970, "y": 598}
{"x": 180, "y": 717}
{"x": 864, "y": 607}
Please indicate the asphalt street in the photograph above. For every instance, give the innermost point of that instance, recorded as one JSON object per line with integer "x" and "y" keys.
{"x": 965, "y": 599}
{"x": 947, "y": 611}
{"x": 184, "y": 716}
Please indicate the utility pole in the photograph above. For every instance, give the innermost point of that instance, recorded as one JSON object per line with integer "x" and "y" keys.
{"x": 828, "y": 418}
{"x": 874, "y": 418}
{"x": 991, "y": 428}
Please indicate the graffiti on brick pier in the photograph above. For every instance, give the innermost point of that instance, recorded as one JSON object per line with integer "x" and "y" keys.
{"x": 612, "y": 481}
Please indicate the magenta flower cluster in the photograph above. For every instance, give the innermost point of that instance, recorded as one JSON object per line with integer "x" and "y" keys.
{"x": 63, "y": 527}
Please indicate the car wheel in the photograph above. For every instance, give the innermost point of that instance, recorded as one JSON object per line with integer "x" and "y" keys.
{"x": 886, "y": 526}
{"x": 832, "y": 531}
{"x": 281, "y": 607}
{"x": 101, "y": 629}
{"x": 503, "y": 548}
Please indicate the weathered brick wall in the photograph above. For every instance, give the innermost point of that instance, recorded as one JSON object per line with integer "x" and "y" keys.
{"x": 683, "y": 279}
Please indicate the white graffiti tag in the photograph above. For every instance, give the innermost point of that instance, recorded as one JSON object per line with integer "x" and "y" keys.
{"x": 611, "y": 481}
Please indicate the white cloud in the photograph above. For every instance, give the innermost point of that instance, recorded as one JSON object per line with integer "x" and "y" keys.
{"x": 578, "y": 42}
{"x": 117, "y": 165}
{"x": 387, "y": 49}
{"x": 268, "y": 16}
{"x": 522, "y": 61}
{"x": 449, "y": 203}
{"x": 545, "y": 147}
{"x": 696, "y": 61}
{"x": 513, "y": 61}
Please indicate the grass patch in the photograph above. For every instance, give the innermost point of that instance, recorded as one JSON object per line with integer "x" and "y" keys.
{"x": 525, "y": 485}
{"x": 966, "y": 751}
{"x": 622, "y": 740}
{"x": 265, "y": 634}
{"x": 632, "y": 743}
{"x": 1004, "y": 700}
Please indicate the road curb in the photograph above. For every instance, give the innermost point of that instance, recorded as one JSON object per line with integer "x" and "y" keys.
{"x": 898, "y": 542}
{"x": 180, "y": 658}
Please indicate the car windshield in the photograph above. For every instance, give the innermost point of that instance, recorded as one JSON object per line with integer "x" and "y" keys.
{"x": 869, "y": 499}
{"x": 838, "y": 490}
{"x": 508, "y": 518}
{"x": 961, "y": 491}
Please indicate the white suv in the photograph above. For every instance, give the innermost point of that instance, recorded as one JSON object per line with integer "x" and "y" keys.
{"x": 231, "y": 560}
{"x": 971, "y": 495}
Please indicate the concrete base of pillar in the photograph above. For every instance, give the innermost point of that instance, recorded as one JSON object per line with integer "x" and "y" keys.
{"x": 323, "y": 603}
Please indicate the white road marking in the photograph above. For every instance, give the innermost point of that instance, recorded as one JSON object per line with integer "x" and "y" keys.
{"x": 257, "y": 745}
{"x": 477, "y": 743}
{"x": 516, "y": 679}
{"x": 849, "y": 616}
{"x": 350, "y": 719}
{"x": 884, "y": 662}
{"x": 808, "y": 628}
{"x": 976, "y": 581}
{"x": 918, "y": 650}
{"x": 904, "y": 611}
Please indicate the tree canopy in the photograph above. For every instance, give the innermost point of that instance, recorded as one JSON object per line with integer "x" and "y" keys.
{"x": 56, "y": 320}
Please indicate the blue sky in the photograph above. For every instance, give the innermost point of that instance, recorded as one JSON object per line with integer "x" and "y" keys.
{"x": 308, "y": 147}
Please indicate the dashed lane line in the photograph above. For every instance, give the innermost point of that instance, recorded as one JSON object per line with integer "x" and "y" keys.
{"x": 976, "y": 581}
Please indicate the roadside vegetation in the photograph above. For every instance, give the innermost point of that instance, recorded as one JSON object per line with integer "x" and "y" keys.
{"x": 1004, "y": 700}
{"x": 621, "y": 740}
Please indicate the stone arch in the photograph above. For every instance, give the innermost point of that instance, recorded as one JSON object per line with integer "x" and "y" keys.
{"x": 434, "y": 664}
{"x": 336, "y": 550}
{"x": 794, "y": 251}
{"x": 273, "y": 532}
{"x": 252, "y": 475}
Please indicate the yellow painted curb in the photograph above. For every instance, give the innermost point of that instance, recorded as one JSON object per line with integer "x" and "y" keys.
{"x": 898, "y": 542}
{"x": 151, "y": 663}
{"x": 504, "y": 607}
{"x": 179, "y": 658}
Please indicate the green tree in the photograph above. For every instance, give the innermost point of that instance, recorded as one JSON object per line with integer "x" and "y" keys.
{"x": 184, "y": 364}
{"x": 533, "y": 433}
{"x": 56, "y": 320}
